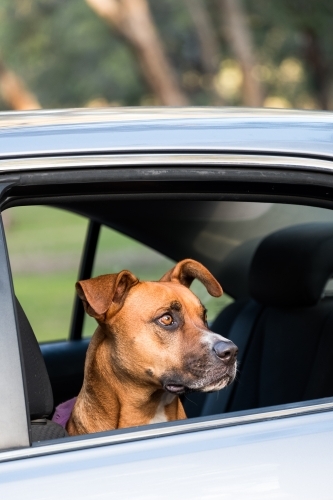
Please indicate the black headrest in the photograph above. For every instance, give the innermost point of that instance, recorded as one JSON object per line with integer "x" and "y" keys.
{"x": 40, "y": 395}
{"x": 292, "y": 266}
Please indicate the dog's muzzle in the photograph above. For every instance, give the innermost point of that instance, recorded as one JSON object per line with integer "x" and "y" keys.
{"x": 217, "y": 370}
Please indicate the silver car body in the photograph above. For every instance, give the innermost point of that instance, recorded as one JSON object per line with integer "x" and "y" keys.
{"x": 274, "y": 453}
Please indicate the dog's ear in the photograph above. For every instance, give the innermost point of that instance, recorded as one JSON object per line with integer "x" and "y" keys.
{"x": 187, "y": 270}
{"x": 98, "y": 294}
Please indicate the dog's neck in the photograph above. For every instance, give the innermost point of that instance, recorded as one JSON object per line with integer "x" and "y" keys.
{"x": 108, "y": 401}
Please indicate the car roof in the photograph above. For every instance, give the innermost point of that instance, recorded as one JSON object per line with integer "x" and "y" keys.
{"x": 110, "y": 130}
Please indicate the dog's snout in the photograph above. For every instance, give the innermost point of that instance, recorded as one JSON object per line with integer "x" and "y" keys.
{"x": 227, "y": 351}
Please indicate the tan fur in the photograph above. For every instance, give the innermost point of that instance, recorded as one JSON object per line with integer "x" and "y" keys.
{"x": 106, "y": 403}
{"x": 130, "y": 354}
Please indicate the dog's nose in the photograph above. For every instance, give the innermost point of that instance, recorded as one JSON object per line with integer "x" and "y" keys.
{"x": 226, "y": 350}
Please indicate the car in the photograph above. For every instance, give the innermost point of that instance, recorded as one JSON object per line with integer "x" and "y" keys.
{"x": 249, "y": 194}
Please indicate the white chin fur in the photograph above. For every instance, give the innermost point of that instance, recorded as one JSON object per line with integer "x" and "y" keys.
{"x": 215, "y": 386}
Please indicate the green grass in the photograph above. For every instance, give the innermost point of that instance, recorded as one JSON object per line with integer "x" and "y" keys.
{"x": 44, "y": 229}
{"x": 45, "y": 246}
{"x": 47, "y": 300}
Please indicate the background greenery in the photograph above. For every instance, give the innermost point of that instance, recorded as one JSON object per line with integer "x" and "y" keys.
{"x": 45, "y": 245}
{"x": 69, "y": 57}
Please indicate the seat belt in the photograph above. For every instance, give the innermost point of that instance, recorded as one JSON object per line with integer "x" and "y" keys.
{"x": 240, "y": 333}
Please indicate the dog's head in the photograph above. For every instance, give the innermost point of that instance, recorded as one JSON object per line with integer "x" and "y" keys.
{"x": 158, "y": 330}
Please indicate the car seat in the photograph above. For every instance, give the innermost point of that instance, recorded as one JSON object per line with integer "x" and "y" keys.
{"x": 284, "y": 329}
{"x": 39, "y": 392}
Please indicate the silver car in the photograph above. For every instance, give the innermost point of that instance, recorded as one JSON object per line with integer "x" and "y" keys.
{"x": 249, "y": 193}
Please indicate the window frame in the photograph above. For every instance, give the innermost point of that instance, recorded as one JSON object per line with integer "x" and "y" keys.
{"x": 312, "y": 176}
{"x": 14, "y": 416}
{"x": 85, "y": 271}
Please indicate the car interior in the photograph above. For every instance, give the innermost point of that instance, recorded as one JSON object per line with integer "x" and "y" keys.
{"x": 275, "y": 264}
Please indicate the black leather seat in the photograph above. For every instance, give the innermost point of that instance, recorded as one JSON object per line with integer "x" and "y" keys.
{"x": 40, "y": 398}
{"x": 289, "y": 354}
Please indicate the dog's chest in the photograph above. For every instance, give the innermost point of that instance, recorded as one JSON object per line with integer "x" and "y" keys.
{"x": 160, "y": 415}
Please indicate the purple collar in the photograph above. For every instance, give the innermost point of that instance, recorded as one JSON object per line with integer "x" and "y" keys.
{"x": 63, "y": 412}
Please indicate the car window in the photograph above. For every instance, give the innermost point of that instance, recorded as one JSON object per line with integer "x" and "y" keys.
{"x": 116, "y": 251}
{"x": 45, "y": 246}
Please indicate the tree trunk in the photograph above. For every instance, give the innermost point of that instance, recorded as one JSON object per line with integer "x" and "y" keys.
{"x": 14, "y": 92}
{"x": 133, "y": 20}
{"x": 239, "y": 38}
{"x": 210, "y": 51}
{"x": 320, "y": 73}
{"x": 209, "y": 45}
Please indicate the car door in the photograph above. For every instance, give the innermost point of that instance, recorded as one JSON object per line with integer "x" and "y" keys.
{"x": 280, "y": 452}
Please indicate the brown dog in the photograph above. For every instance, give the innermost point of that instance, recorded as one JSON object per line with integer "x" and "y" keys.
{"x": 152, "y": 344}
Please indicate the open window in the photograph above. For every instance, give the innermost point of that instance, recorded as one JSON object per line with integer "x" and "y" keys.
{"x": 285, "y": 345}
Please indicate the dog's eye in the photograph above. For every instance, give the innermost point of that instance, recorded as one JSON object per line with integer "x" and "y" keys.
{"x": 166, "y": 320}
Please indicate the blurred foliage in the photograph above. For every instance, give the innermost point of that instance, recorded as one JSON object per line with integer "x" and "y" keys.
{"x": 65, "y": 54}
{"x": 69, "y": 57}
{"x": 294, "y": 41}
